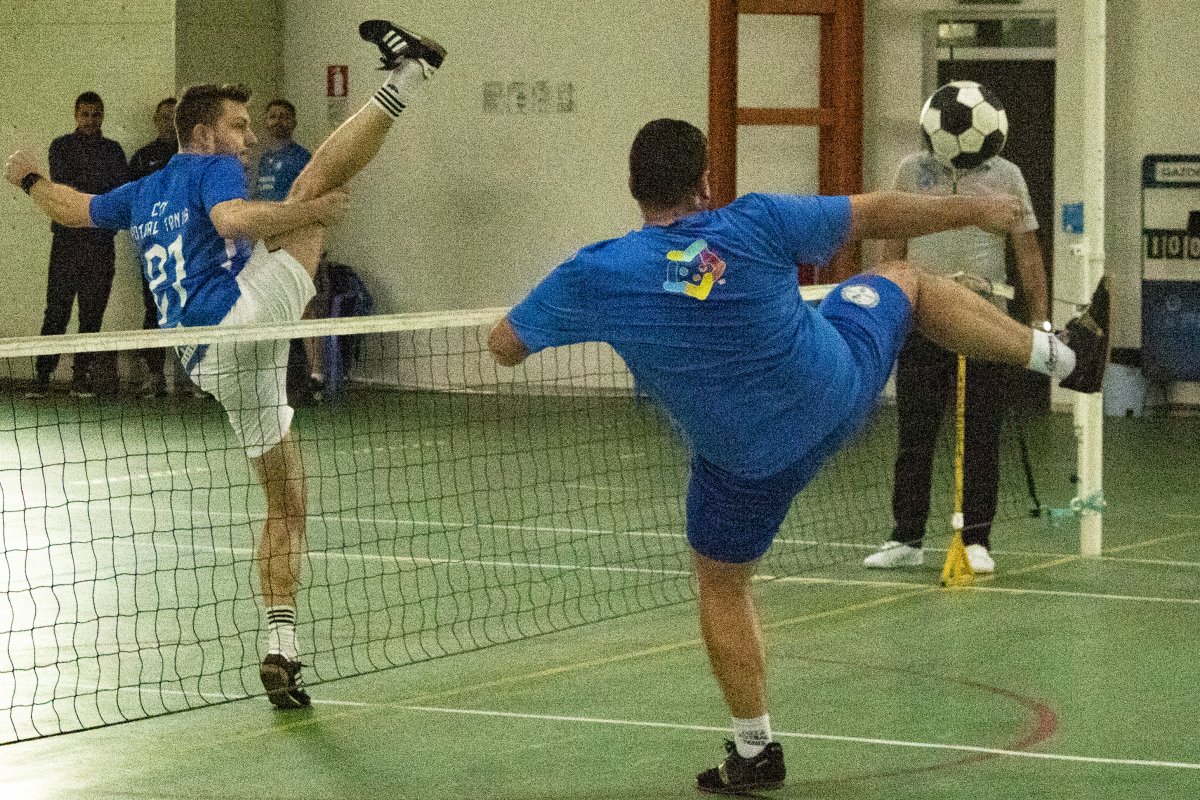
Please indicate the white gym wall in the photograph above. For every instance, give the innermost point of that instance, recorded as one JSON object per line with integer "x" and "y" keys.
{"x": 469, "y": 207}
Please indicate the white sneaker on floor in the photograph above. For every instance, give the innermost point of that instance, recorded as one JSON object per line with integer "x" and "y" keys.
{"x": 895, "y": 554}
{"x": 980, "y": 559}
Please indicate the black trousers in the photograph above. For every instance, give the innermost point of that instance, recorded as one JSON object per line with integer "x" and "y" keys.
{"x": 153, "y": 356}
{"x": 925, "y": 385}
{"x": 79, "y": 267}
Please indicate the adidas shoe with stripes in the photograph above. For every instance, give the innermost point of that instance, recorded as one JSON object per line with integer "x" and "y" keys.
{"x": 396, "y": 44}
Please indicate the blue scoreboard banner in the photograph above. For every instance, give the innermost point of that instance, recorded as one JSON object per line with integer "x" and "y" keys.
{"x": 1171, "y": 267}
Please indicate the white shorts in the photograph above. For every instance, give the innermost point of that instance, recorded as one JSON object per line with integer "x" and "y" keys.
{"x": 249, "y": 379}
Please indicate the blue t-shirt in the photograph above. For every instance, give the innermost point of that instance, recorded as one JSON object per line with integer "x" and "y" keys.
{"x": 190, "y": 268}
{"x": 707, "y": 315}
{"x": 277, "y": 171}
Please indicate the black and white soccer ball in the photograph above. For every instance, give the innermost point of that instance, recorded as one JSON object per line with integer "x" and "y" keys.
{"x": 964, "y": 124}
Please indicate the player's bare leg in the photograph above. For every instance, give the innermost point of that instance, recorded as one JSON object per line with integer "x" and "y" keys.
{"x": 279, "y": 563}
{"x": 957, "y": 319}
{"x": 410, "y": 60}
{"x": 729, "y": 625}
{"x": 733, "y": 639}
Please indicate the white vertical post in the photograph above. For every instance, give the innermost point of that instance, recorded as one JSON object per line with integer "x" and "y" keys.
{"x": 1088, "y": 409}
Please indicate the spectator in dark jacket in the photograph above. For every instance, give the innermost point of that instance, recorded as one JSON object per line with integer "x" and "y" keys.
{"x": 81, "y": 259}
{"x": 146, "y": 161}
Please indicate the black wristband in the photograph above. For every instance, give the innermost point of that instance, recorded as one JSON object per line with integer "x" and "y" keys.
{"x": 29, "y": 180}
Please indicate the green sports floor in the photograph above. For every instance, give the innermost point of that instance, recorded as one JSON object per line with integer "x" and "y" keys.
{"x": 1058, "y": 678}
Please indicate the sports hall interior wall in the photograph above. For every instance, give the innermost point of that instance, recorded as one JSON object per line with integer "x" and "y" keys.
{"x": 139, "y": 52}
{"x": 519, "y": 192}
{"x": 231, "y": 41}
{"x": 129, "y": 58}
{"x": 468, "y": 207}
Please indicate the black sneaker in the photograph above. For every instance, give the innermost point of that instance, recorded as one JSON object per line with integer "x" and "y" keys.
{"x": 39, "y": 388}
{"x": 396, "y": 44}
{"x": 1087, "y": 335}
{"x": 737, "y": 775}
{"x": 152, "y": 387}
{"x": 281, "y": 678}
{"x": 82, "y": 387}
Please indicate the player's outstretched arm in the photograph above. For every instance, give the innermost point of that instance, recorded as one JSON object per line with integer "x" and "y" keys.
{"x": 900, "y": 215}
{"x": 259, "y": 219}
{"x": 507, "y": 349}
{"x": 60, "y": 202}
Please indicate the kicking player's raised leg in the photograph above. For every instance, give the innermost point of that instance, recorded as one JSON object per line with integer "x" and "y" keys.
{"x": 410, "y": 60}
{"x": 958, "y": 319}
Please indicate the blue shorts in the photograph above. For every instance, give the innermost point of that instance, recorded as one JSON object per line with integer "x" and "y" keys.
{"x": 733, "y": 519}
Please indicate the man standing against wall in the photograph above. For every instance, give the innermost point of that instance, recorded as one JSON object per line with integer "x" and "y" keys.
{"x": 927, "y": 373}
{"x": 283, "y": 158}
{"x": 281, "y": 161}
{"x": 147, "y": 161}
{"x": 82, "y": 261}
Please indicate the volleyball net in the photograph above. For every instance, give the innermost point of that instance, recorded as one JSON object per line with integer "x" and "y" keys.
{"x": 452, "y": 505}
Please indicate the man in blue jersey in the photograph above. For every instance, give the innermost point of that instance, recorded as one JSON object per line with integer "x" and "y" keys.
{"x": 281, "y": 162}
{"x": 212, "y": 256}
{"x": 704, "y": 308}
{"x": 283, "y": 158}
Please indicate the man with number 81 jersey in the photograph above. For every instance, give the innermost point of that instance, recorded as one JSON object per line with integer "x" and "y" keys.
{"x": 213, "y": 257}
{"x": 171, "y": 237}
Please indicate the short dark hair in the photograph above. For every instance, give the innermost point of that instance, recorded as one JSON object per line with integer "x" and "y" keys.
{"x": 666, "y": 162}
{"x": 279, "y": 101}
{"x": 166, "y": 101}
{"x": 201, "y": 105}
{"x": 88, "y": 99}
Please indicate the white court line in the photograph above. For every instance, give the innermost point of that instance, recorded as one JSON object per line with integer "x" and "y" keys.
{"x": 824, "y": 737}
{"x": 1158, "y": 562}
{"x": 242, "y": 517}
{"x": 634, "y": 570}
{"x": 129, "y": 477}
{"x": 423, "y": 444}
{"x": 512, "y": 526}
{"x": 325, "y": 554}
{"x": 1132, "y": 762}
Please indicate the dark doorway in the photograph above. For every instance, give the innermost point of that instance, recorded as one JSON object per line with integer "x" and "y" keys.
{"x": 1027, "y": 89}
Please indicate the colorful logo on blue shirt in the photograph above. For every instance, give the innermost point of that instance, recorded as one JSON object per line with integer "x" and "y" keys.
{"x": 695, "y": 277}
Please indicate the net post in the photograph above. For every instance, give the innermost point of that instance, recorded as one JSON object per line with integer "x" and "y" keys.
{"x": 1088, "y": 409}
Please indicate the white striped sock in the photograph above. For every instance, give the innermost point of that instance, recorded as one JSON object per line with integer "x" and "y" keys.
{"x": 388, "y": 98}
{"x": 281, "y": 632}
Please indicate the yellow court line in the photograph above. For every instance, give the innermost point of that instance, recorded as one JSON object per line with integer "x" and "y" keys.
{"x": 1054, "y": 562}
{"x": 1148, "y": 542}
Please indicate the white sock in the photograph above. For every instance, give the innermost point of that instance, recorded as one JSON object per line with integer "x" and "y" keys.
{"x": 752, "y": 735}
{"x": 281, "y": 632}
{"x": 400, "y": 87}
{"x": 1051, "y": 356}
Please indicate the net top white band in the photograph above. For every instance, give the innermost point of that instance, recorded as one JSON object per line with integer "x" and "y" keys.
{"x": 26, "y": 346}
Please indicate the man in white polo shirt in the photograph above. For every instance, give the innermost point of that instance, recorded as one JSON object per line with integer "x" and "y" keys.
{"x": 927, "y": 372}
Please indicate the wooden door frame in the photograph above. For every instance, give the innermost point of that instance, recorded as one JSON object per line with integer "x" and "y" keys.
{"x": 839, "y": 118}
